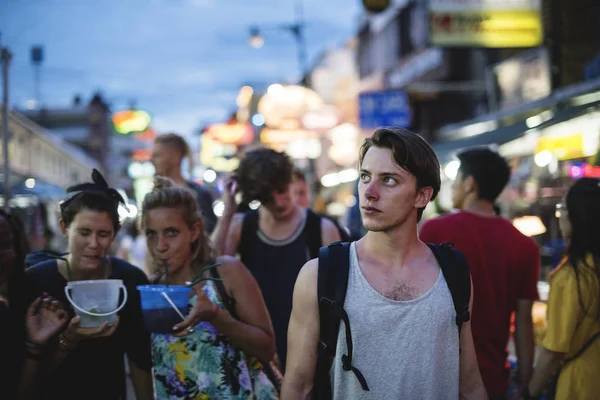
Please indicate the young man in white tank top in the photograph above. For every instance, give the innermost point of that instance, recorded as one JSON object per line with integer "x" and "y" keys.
{"x": 405, "y": 338}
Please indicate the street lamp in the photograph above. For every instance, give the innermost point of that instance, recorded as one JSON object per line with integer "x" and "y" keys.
{"x": 257, "y": 41}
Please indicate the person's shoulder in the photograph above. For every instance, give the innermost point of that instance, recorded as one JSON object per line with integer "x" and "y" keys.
{"x": 446, "y": 219}
{"x": 42, "y": 269}
{"x": 127, "y": 271}
{"x": 196, "y": 187}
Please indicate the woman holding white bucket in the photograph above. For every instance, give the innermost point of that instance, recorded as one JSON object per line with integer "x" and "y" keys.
{"x": 87, "y": 360}
{"x": 216, "y": 358}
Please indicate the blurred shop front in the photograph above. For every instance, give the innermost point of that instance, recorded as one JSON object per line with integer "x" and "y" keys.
{"x": 548, "y": 142}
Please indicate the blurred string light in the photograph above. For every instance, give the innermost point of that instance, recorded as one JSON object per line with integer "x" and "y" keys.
{"x": 30, "y": 183}
{"x": 254, "y": 204}
{"x": 451, "y": 169}
{"x": 258, "y": 120}
{"x": 543, "y": 158}
{"x": 334, "y": 179}
{"x": 210, "y": 176}
{"x": 219, "y": 208}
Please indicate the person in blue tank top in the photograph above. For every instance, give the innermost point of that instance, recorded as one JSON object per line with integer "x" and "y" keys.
{"x": 275, "y": 240}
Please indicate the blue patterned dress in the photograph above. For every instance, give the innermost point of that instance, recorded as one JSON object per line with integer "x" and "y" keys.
{"x": 205, "y": 365}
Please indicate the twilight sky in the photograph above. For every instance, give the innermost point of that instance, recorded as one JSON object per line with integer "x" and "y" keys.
{"x": 182, "y": 60}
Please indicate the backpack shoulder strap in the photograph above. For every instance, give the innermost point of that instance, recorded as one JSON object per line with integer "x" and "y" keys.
{"x": 249, "y": 228}
{"x": 332, "y": 284}
{"x": 458, "y": 278}
{"x": 312, "y": 232}
{"x": 228, "y": 301}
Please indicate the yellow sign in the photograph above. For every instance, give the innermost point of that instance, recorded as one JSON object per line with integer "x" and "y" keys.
{"x": 564, "y": 147}
{"x": 486, "y": 28}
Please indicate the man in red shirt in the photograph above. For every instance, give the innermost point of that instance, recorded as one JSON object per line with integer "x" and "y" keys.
{"x": 505, "y": 266}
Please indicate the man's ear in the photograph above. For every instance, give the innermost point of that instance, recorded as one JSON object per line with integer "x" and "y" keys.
{"x": 469, "y": 184}
{"x": 63, "y": 226}
{"x": 424, "y": 197}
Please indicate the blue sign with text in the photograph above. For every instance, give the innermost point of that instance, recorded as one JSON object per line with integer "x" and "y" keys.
{"x": 388, "y": 108}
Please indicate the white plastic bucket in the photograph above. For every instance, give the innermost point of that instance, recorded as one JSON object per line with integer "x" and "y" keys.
{"x": 97, "y": 301}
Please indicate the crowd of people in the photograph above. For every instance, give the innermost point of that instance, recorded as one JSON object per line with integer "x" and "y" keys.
{"x": 289, "y": 308}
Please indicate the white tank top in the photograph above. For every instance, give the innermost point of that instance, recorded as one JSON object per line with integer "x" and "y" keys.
{"x": 405, "y": 349}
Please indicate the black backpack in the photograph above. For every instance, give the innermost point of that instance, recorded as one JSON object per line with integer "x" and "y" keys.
{"x": 334, "y": 262}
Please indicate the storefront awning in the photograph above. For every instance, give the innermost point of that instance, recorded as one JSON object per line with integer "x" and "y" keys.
{"x": 563, "y": 109}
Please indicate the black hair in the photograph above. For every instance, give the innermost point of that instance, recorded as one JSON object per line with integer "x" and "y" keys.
{"x": 583, "y": 211}
{"x": 95, "y": 196}
{"x": 489, "y": 170}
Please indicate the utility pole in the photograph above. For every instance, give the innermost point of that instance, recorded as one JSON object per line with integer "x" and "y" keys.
{"x": 5, "y": 57}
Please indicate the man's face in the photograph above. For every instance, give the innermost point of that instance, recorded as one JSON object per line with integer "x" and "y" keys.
{"x": 282, "y": 203}
{"x": 300, "y": 192}
{"x": 165, "y": 159}
{"x": 388, "y": 194}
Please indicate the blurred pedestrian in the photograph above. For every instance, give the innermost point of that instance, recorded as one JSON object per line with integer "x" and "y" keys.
{"x": 504, "y": 263}
{"x": 275, "y": 240}
{"x": 89, "y": 362}
{"x": 22, "y": 343}
{"x": 132, "y": 247}
{"x": 168, "y": 153}
{"x": 214, "y": 357}
{"x": 400, "y": 337}
{"x": 301, "y": 192}
{"x": 571, "y": 347}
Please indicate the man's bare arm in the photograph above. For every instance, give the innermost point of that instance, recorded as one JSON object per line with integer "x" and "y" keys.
{"x": 470, "y": 383}
{"x": 329, "y": 232}
{"x": 303, "y": 336}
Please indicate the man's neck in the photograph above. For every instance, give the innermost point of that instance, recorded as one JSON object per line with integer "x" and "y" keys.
{"x": 269, "y": 220}
{"x": 177, "y": 178}
{"x": 480, "y": 207}
{"x": 392, "y": 248}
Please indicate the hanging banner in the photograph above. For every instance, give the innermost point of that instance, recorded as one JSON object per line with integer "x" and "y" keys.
{"x": 485, "y": 23}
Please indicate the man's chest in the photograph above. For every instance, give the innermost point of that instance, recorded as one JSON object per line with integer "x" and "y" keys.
{"x": 402, "y": 285}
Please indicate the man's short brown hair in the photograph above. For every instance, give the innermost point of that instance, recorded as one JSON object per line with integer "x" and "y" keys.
{"x": 263, "y": 171}
{"x": 411, "y": 152}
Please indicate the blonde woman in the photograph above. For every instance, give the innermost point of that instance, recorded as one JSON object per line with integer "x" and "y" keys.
{"x": 215, "y": 359}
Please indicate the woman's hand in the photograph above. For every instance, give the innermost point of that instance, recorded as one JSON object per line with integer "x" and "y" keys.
{"x": 45, "y": 318}
{"x": 74, "y": 333}
{"x": 203, "y": 310}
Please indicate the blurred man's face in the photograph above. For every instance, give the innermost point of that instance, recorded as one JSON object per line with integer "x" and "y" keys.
{"x": 461, "y": 188}
{"x": 165, "y": 159}
{"x": 282, "y": 203}
{"x": 300, "y": 193}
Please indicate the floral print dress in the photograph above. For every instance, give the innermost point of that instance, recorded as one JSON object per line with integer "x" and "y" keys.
{"x": 204, "y": 365}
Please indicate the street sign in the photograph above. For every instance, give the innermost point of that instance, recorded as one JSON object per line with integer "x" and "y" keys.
{"x": 388, "y": 108}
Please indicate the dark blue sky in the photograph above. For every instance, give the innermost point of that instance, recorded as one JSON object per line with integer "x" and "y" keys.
{"x": 182, "y": 60}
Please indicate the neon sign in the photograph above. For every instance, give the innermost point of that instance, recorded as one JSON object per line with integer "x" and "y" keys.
{"x": 130, "y": 121}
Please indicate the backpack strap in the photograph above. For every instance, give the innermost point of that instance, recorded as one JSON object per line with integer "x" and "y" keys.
{"x": 458, "y": 278}
{"x": 332, "y": 283}
{"x": 249, "y": 229}
{"x": 312, "y": 232}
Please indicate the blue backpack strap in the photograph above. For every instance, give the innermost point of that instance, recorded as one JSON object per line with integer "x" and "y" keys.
{"x": 332, "y": 283}
{"x": 458, "y": 278}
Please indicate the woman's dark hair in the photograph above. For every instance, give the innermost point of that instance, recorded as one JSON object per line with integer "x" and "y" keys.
{"x": 583, "y": 211}
{"x": 20, "y": 242}
{"x": 95, "y": 196}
